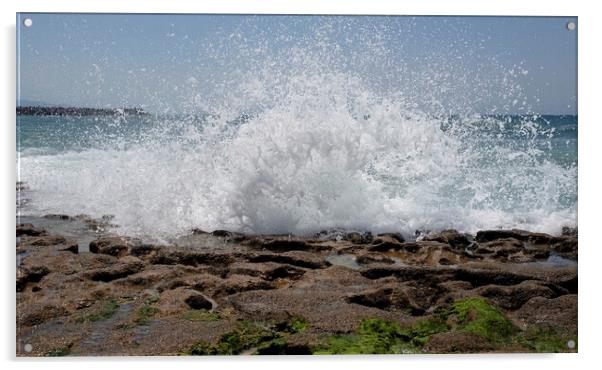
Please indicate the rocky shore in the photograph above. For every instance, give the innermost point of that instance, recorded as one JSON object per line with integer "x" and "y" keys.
{"x": 338, "y": 292}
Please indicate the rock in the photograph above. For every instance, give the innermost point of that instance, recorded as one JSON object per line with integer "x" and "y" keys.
{"x": 39, "y": 314}
{"x": 556, "y": 312}
{"x": 484, "y": 236}
{"x": 267, "y": 270}
{"x": 54, "y": 216}
{"x": 241, "y": 283}
{"x": 379, "y": 298}
{"x": 499, "y": 247}
{"x": 373, "y": 257}
{"x": 42, "y": 240}
{"x": 284, "y": 245}
{"x": 395, "y": 236}
{"x": 111, "y": 245}
{"x": 452, "y": 237}
{"x": 228, "y": 235}
{"x": 569, "y": 231}
{"x": 182, "y": 299}
{"x": 457, "y": 342}
{"x": 386, "y": 242}
{"x": 359, "y": 237}
{"x": 566, "y": 246}
{"x": 295, "y": 258}
{"x": 416, "y": 300}
{"x": 118, "y": 271}
{"x": 190, "y": 257}
{"x": 144, "y": 251}
{"x": 30, "y": 274}
{"x": 514, "y": 296}
{"x": 29, "y": 230}
{"x": 198, "y": 302}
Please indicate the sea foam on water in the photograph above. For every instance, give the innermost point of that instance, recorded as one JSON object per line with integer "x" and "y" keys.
{"x": 306, "y": 140}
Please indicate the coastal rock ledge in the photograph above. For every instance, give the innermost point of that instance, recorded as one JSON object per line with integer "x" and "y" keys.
{"x": 332, "y": 293}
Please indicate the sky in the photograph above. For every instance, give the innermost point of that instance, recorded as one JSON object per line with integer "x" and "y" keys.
{"x": 164, "y": 62}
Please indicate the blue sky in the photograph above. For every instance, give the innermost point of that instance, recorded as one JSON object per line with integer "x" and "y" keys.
{"x": 481, "y": 64}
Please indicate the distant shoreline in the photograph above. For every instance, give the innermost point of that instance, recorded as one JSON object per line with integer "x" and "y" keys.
{"x": 75, "y": 111}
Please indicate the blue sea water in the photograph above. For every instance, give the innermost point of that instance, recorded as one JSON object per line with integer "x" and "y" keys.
{"x": 275, "y": 171}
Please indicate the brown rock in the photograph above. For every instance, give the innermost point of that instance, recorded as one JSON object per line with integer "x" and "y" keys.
{"x": 513, "y": 297}
{"x": 295, "y": 258}
{"x": 30, "y": 274}
{"x": 452, "y": 237}
{"x": 118, "y": 271}
{"x": 29, "y": 230}
{"x": 457, "y": 342}
{"x": 556, "y": 312}
{"x": 373, "y": 257}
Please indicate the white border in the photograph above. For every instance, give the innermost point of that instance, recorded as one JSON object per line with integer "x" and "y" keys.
{"x": 590, "y": 123}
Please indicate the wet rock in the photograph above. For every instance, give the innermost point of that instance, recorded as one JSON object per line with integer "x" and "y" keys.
{"x": 54, "y": 216}
{"x": 39, "y": 314}
{"x": 29, "y": 230}
{"x": 118, "y": 271}
{"x": 30, "y": 274}
{"x": 266, "y": 270}
{"x": 457, "y": 342}
{"x": 241, "y": 283}
{"x": 198, "y": 302}
{"x": 359, "y": 237}
{"x": 144, "y": 251}
{"x": 395, "y": 236}
{"x": 386, "y": 242}
{"x": 228, "y": 235}
{"x": 160, "y": 275}
{"x": 284, "y": 272}
{"x": 452, "y": 237}
{"x": 513, "y": 297}
{"x": 197, "y": 231}
{"x": 373, "y": 257}
{"x": 42, "y": 240}
{"x": 556, "y": 312}
{"x": 379, "y": 298}
{"x": 337, "y": 235}
{"x": 522, "y": 235}
{"x": 296, "y": 258}
{"x": 182, "y": 299}
{"x": 70, "y": 247}
{"x": 566, "y": 246}
{"x": 569, "y": 231}
{"x": 183, "y": 256}
{"x": 285, "y": 245}
{"x": 412, "y": 299}
{"x": 499, "y": 247}
{"x": 111, "y": 245}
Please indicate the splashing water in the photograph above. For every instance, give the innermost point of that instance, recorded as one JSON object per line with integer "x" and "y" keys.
{"x": 304, "y": 141}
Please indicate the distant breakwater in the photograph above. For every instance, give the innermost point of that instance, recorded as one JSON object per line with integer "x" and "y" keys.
{"x": 78, "y": 111}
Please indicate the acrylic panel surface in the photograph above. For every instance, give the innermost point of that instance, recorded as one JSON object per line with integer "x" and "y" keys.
{"x": 238, "y": 184}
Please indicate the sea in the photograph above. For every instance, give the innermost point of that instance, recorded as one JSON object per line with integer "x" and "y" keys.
{"x": 301, "y": 166}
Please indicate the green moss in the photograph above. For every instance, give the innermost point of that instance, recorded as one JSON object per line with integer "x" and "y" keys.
{"x": 200, "y": 315}
{"x": 144, "y": 314}
{"x": 296, "y": 324}
{"x": 245, "y": 335}
{"x": 108, "y": 309}
{"x": 154, "y": 298}
{"x": 475, "y": 315}
{"x": 59, "y": 352}
{"x": 546, "y": 340}
{"x": 418, "y": 334}
{"x": 374, "y": 336}
{"x": 276, "y": 346}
